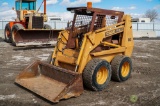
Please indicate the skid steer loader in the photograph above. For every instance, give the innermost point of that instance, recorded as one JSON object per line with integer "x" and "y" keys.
{"x": 93, "y": 50}
{"x": 29, "y": 28}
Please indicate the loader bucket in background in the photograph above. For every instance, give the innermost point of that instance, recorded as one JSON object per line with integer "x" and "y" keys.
{"x": 51, "y": 82}
{"x": 36, "y": 37}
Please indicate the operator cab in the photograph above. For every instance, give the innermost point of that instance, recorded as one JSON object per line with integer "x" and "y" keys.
{"x": 25, "y": 4}
{"x": 88, "y": 19}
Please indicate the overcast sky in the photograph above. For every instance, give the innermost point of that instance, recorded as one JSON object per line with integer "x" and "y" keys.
{"x": 136, "y": 8}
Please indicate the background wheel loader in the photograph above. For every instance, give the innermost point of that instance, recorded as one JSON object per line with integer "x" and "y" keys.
{"x": 93, "y": 50}
{"x": 29, "y": 27}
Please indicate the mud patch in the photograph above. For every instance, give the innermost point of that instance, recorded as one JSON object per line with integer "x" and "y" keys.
{"x": 3, "y": 97}
{"x": 21, "y": 58}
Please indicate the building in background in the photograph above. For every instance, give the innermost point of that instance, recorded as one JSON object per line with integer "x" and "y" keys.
{"x": 141, "y": 20}
{"x": 56, "y": 22}
{"x": 54, "y": 18}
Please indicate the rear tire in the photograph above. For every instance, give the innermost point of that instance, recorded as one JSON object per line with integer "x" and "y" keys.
{"x": 15, "y": 28}
{"x": 97, "y": 74}
{"x": 7, "y": 33}
{"x": 46, "y": 26}
{"x": 121, "y": 68}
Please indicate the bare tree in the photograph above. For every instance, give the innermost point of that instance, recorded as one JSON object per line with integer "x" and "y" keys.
{"x": 152, "y": 14}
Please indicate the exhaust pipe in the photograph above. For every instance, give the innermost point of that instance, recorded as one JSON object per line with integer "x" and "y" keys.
{"x": 44, "y": 7}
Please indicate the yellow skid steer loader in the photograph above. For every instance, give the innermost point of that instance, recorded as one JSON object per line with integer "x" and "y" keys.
{"x": 93, "y": 50}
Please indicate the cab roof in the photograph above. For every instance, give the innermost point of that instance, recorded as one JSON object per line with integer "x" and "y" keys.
{"x": 91, "y": 11}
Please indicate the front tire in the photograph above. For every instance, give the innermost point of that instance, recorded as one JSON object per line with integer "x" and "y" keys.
{"x": 7, "y": 33}
{"x": 121, "y": 68}
{"x": 15, "y": 28}
{"x": 97, "y": 74}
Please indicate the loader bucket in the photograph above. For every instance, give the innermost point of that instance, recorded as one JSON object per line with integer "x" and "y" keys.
{"x": 26, "y": 37}
{"x": 51, "y": 82}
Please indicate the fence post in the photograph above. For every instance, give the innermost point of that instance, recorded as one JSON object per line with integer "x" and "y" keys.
{"x": 153, "y": 26}
{"x": 2, "y": 24}
{"x": 137, "y": 26}
{"x": 54, "y": 24}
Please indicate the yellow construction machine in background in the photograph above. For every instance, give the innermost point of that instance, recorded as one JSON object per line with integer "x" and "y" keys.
{"x": 29, "y": 28}
{"x": 94, "y": 49}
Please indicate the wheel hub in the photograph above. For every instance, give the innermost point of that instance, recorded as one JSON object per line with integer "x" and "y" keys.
{"x": 125, "y": 69}
{"x": 102, "y": 75}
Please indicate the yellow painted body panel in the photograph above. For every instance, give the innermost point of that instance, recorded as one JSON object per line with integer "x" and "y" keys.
{"x": 21, "y": 14}
{"x": 127, "y": 40}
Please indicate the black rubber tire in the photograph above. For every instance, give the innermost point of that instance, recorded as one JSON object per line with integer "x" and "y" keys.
{"x": 90, "y": 72}
{"x": 116, "y": 65}
{"x": 15, "y": 28}
{"x": 7, "y": 38}
{"x": 46, "y": 26}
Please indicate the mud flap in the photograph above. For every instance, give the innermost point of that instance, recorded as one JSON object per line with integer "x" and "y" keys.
{"x": 36, "y": 37}
{"x": 51, "y": 82}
